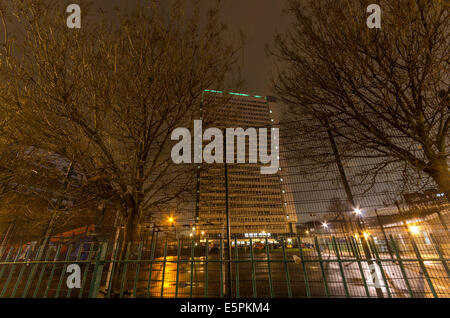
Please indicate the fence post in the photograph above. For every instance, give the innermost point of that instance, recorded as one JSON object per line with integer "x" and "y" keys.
{"x": 178, "y": 267}
{"x": 341, "y": 268}
{"x": 324, "y": 275}
{"x": 236, "y": 256}
{"x": 422, "y": 266}
{"x": 402, "y": 268}
{"x": 286, "y": 269}
{"x": 254, "y": 288}
{"x": 358, "y": 260}
{"x": 98, "y": 270}
{"x": 305, "y": 272}
{"x": 441, "y": 255}
{"x": 269, "y": 270}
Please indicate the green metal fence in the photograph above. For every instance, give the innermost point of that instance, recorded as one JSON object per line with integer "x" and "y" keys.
{"x": 319, "y": 266}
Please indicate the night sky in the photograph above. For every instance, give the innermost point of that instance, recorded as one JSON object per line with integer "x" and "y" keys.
{"x": 259, "y": 19}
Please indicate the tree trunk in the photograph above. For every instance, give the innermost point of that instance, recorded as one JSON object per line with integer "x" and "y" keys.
{"x": 441, "y": 175}
{"x": 128, "y": 237}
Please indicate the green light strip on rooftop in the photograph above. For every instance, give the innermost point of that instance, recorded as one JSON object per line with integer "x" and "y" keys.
{"x": 231, "y": 93}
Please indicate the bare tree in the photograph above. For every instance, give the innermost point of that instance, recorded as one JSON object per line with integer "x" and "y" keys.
{"x": 108, "y": 96}
{"x": 383, "y": 92}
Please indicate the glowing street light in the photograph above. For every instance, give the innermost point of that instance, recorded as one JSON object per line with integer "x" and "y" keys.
{"x": 366, "y": 235}
{"x": 414, "y": 229}
{"x": 357, "y": 211}
{"x": 325, "y": 225}
{"x": 171, "y": 220}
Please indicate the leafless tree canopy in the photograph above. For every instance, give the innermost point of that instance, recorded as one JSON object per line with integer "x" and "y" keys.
{"x": 108, "y": 96}
{"x": 383, "y": 91}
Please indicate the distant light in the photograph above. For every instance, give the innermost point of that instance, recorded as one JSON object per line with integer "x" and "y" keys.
{"x": 238, "y": 94}
{"x": 190, "y": 234}
{"x": 366, "y": 235}
{"x": 213, "y": 91}
{"x": 325, "y": 225}
{"x": 414, "y": 229}
{"x": 203, "y": 232}
{"x": 170, "y": 219}
{"x": 357, "y": 211}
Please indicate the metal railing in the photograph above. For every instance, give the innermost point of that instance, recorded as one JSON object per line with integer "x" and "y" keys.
{"x": 311, "y": 266}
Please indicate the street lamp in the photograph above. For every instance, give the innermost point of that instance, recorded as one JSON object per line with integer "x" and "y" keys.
{"x": 414, "y": 229}
{"x": 357, "y": 211}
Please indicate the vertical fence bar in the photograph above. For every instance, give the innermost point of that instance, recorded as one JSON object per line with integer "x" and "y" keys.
{"x": 124, "y": 269}
{"x": 31, "y": 274}
{"x": 341, "y": 268}
{"x": 41, "y": 275}
{"x": 221, "y": 268}
{"x": 206, "y": 267}
{"x": 269, "y": 271}
{"x": 63, "y": 271}
{"x": 353, "y": 245}
{"x": 402, "y": 268}
{"x": 110, "y": 282}
{"x": 178, "y": 268}
{"x": 69, "y": 292}
{"x": 424, "y": 269}
{"x": 192, "y": 267}
{"x": 322, "y": 269}
{"x": 98, "y": 270}
{"x": 383, "y": 274}
{"x": 305, "y": 272}
{"x": 255, "y": 293}
{"x": 86, "y": 269}
{"x": 10, "y": 252}
{"x": 138, "y": 268}
{"x": 163, "y": 270}
{"x": 111, "y": 267}
{"x": 236, "y": 258}
{"x": 152, "y": 258}
{"x": 441, "y": 255}
{"x": 12, "y": 270}
{"x": 286, "y": 269}
{"x": 22, "y": 269}
{"x": 49, "y": 283}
